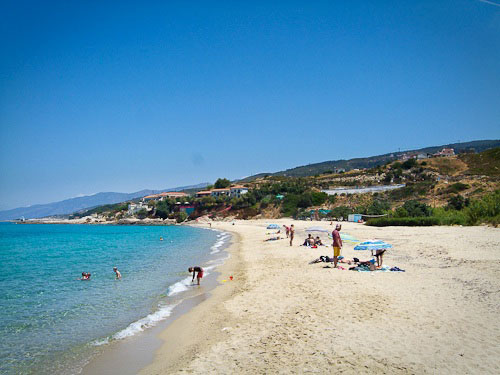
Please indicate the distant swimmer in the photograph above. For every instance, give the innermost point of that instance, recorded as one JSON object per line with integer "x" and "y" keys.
{"x": 161, "y": 238}
{"x": 198, "y": 271}
{"x": 85, "y": 276}
{"x": 118, "y": 274}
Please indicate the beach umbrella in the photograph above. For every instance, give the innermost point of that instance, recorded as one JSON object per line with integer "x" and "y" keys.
{"x": 273, "y": 226}
{"x": 372, "y": 245}
{"x": 317, "y": 229}
{"x": 346, "y": 237}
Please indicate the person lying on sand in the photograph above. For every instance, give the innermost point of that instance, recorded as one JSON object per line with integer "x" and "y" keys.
{"x": 199, "y": 273}
{"x": 323, "y": 258}
{"x": 341, "y": 259}
{"x": 273, "y": 239}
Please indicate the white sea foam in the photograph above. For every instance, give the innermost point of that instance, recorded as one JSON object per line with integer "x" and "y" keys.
{"x": 222, "y": 237}
{"x": 179, "y": 287}
{"x": 149, "y": 321}
{"x": 100, "y": 342}
{"x": 183, "y": 285}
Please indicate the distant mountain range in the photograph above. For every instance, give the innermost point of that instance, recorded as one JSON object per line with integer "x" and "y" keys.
{"x": 71, "y": 205}
{"x": 373, "y": 161}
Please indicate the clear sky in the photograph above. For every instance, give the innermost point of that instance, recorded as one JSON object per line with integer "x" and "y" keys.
{"x": 121, "y": 96}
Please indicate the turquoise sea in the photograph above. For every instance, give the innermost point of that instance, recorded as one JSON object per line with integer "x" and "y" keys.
{"x": 52, "y": 323}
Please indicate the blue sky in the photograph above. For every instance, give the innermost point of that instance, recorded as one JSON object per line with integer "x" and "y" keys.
{"x": 122, "y": 96}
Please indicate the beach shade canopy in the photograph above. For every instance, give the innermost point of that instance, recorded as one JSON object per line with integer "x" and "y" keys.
{"x": 372, "y": 245}
{"x": 273, "y": 226}
{"x": 317, "y": 229}
{"x": 348, "y": 238}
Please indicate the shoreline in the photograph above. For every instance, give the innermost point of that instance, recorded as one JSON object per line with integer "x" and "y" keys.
{"x": 200, "y": 325}
{"x": 282, "y": 314}
{"x": 131, "y": 354}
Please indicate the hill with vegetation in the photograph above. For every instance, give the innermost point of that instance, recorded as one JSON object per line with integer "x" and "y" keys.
{"x": 462, "y": 189}
{"x": 373, "y": 161}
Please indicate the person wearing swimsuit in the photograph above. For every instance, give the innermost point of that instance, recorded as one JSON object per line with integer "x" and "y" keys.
{"x": 198, "y": 271}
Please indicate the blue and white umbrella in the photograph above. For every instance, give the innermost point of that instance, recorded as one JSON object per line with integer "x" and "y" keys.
{"x": 273, "y": 226}
{"x": 373, "y": 245}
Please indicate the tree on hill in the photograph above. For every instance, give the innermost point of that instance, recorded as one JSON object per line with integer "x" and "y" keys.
{"x": 222, "y": 183}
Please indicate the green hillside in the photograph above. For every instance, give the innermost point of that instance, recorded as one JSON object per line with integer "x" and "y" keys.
{"x": 373, "y": 161}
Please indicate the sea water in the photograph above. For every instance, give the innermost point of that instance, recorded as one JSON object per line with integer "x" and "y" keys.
{"x": 52, "y": 322}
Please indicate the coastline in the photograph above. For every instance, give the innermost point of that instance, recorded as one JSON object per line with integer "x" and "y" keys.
{"x": 202, "y": 325}
{"x": 281, "y": 314}
{"x": 128, "y": 356}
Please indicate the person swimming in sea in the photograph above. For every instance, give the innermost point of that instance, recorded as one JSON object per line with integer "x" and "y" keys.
{"x": 85, "y": 276}
{"x": 198, "y": 271}
{"x": 118, "y": 274}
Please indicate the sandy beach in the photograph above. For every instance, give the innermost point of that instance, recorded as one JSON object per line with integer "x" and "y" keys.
{"x": 282, "y": 315}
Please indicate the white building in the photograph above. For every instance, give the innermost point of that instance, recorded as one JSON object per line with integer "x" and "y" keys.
{"x": 445, "y": 152}
{"x": 136, "y": 207}
{"x": 220, "y": 192}
{"x": 238, "y": 191}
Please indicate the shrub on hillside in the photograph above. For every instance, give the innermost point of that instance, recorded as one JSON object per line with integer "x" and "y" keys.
{"x": 457, "y": 202}
{"x": 485, "y": 210}
{"x": 377, "y": 207}
{"x": 222, "y": 183}
{"x": 142, "y": 214}
{"x": 410, "y": 163}
{"x": 449, "y": 216}
{"x": 180, "y": 216}
{"x": 457, "y": 187}
{"x": 403, "y": 221}
{"x": 289, "y": 206}
{"x": 318, "y": 198}
{"x": 414, "y": 208}
{"x": 341, "y": 211}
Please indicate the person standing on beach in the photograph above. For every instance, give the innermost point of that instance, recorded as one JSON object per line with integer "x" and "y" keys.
{"x": 292, "y": 234}
{"x": 118, "y": 274}
{"x": 337, "y": 244}
{"x": 198, "y": 271}
{"x": 287, "y": 230}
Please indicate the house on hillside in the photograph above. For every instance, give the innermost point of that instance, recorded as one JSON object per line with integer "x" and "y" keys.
{"x": 238, "y": 191}
{"x": 203, "y": 193}
{"x": 445, "y": 152}
{"x": 136, "y": 207}
{"x": 173, "y": 194}
{"x": 164, "y": 195}
{"x": 220, "y": 192}
{"x": 151, "y": 197}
